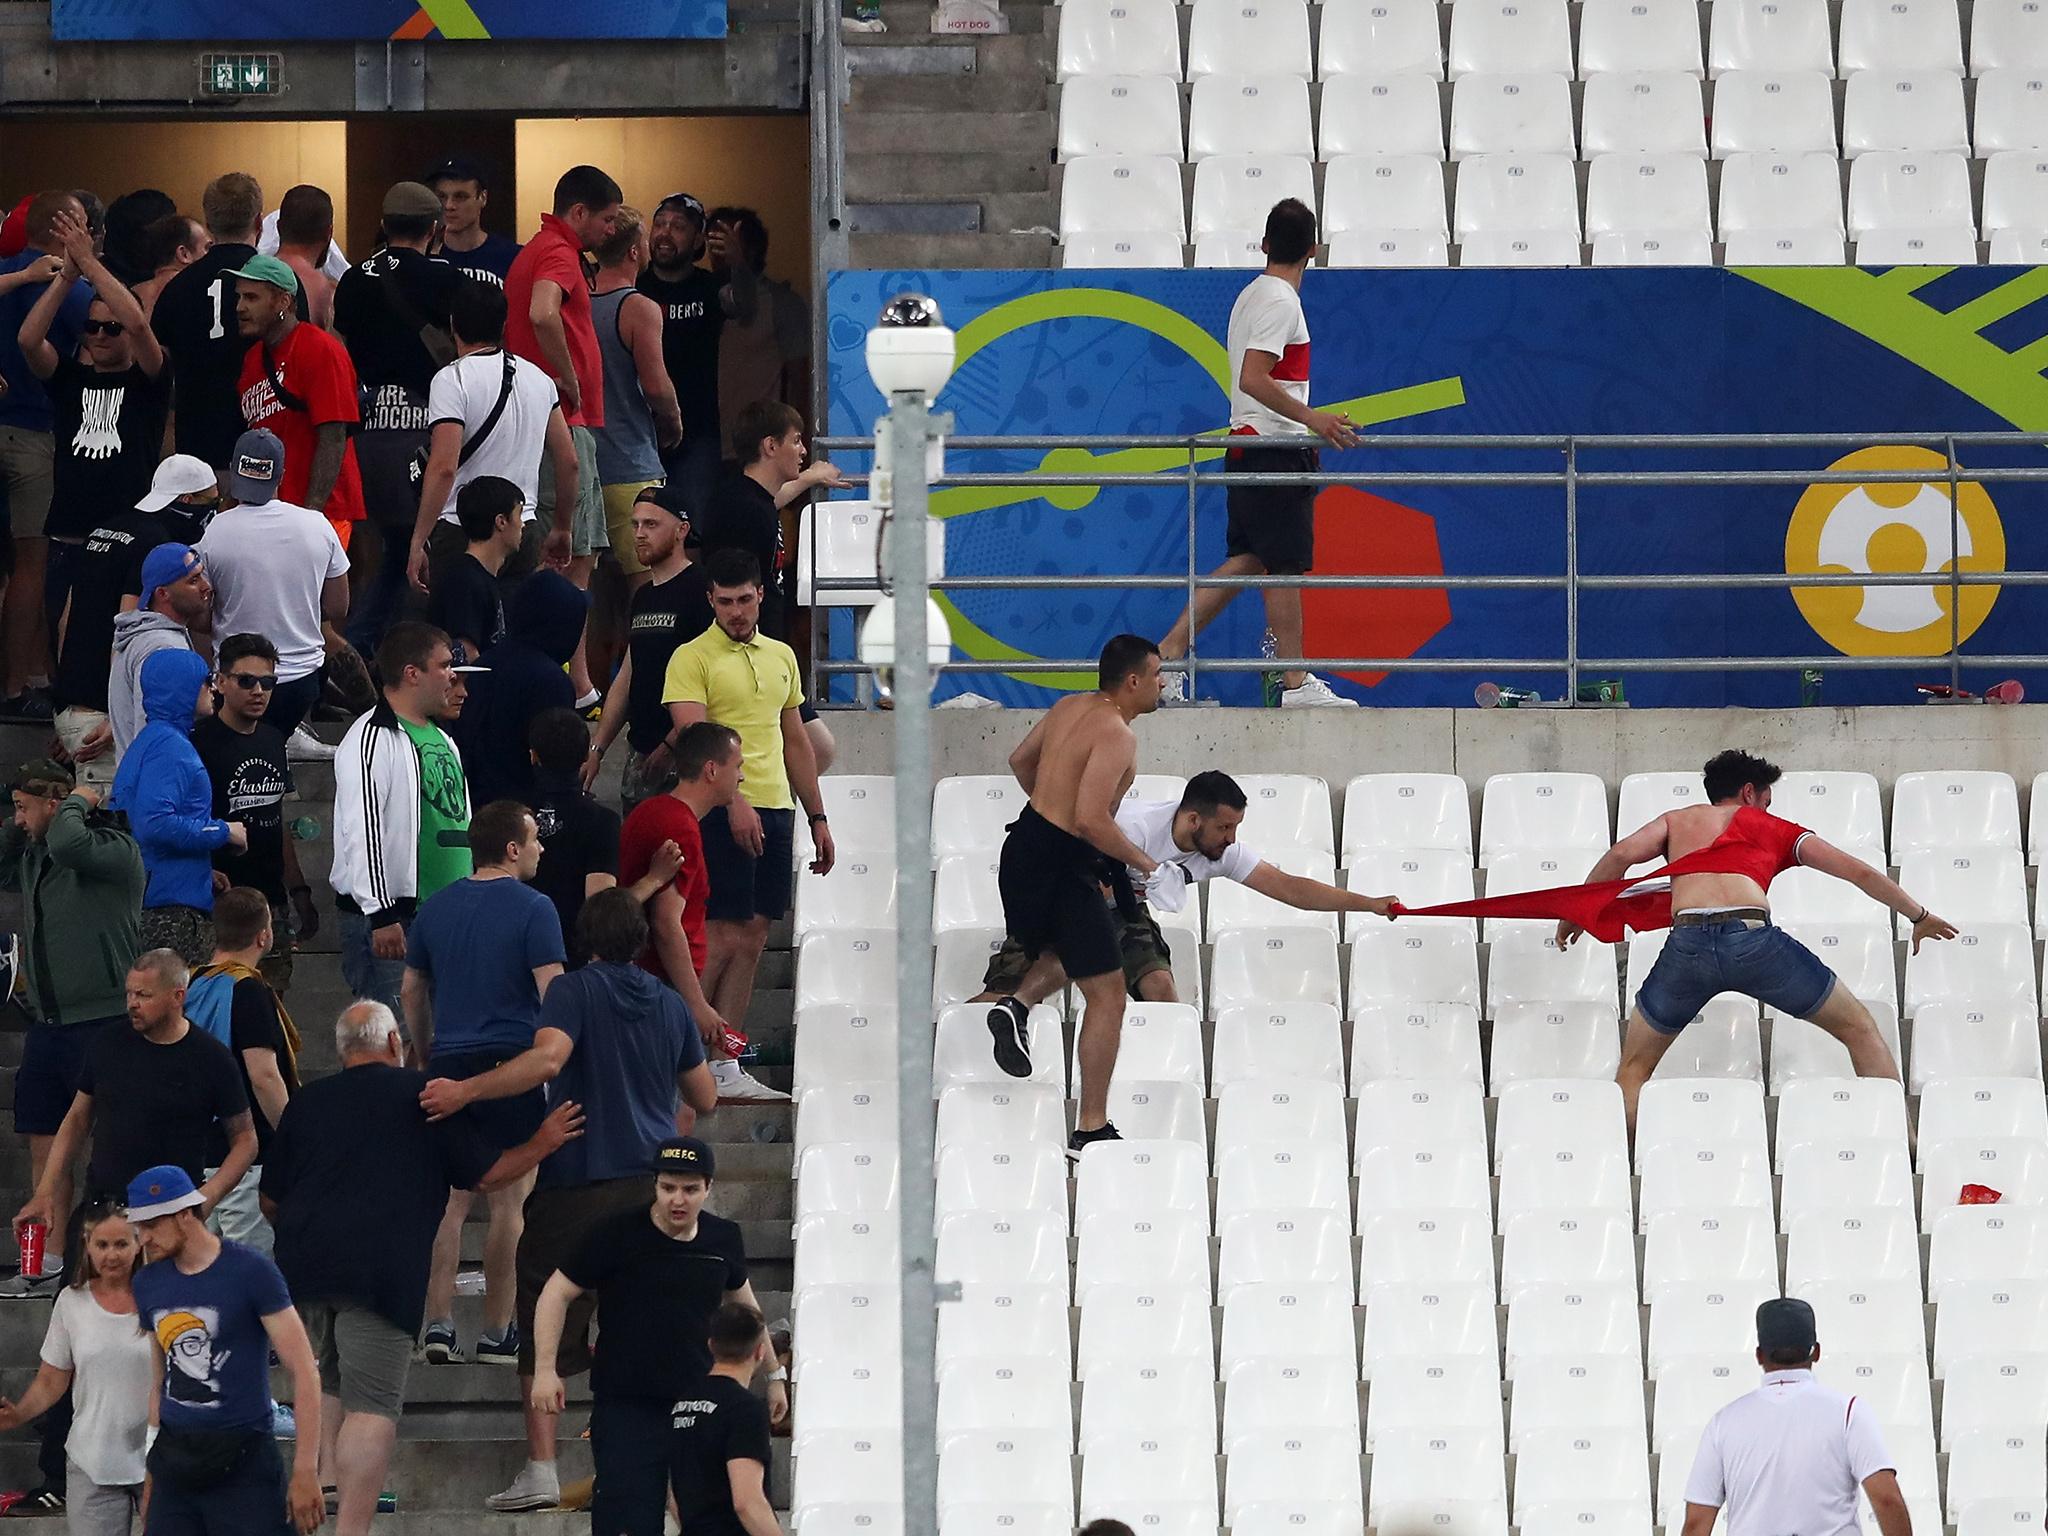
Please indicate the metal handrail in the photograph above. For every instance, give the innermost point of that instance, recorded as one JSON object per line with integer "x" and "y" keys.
{"x": 1568, "y": 476}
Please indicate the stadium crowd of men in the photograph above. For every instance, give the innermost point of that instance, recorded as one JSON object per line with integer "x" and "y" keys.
{"x": 251, "y": 485}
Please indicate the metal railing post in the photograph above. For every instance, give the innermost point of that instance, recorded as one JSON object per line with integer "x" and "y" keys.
{"x": 1189, "y": 610}
{"x": 1571, "y": 571}
{"x": 1955, "y": 576}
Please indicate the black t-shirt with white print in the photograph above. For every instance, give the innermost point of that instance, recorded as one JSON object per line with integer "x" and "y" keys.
{"x": 109, "y": 436}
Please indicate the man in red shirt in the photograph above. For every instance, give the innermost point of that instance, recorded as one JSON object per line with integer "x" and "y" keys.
{"x": 548, "y": 322}
{"x": 298, "y": 382}
{"x": 707, "y": 760}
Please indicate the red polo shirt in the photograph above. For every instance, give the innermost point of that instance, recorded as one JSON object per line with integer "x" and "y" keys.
{"x": 556, "y": 255}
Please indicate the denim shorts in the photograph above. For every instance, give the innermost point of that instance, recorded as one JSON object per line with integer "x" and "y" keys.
{"x": 1699, "y": 963}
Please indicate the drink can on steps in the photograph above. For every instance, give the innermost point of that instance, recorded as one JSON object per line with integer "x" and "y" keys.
{"x": 1493, "y": 696}
{"x": 30, "y": 1236}
{"x": 1809, "y": 686}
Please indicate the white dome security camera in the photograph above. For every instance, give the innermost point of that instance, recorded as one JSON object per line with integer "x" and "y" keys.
{"x": 910, "y": 349}
{"x": 878, "y": 641}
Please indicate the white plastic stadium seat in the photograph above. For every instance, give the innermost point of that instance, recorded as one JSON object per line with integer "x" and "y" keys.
{"x": 1591, "y": 1460}
{"x": 1235, "y": 249}
{"x": 1385, "y": 192}
{"x": 1554, "y": 1393}
{"x": 846, "y": 1112}
{"x": 1915, "y": 112}
{"x": 1678, "y": 1112}
{"x": 1028, "y": 1466}
{"x": 1646, "y": 796}
{"x": 1232, "y": 905}
{"x": 860, "y": 893}
{"x": 1238, "y": 191}
{"x": 1265, "y": 37}
{"x": 1142, "y": 1176}
{"x": 1519, "y": 248}
{"x": 1456, "y": 1391}
{"x": 2020, "y": 248}
{"x": 1708, "y": 1319}
{"x": 1119, "y": 115}
{"x": 841, "y": 1041}
{"x": 1119, "y": 195}
{"x": 1573, "y": 1320}
{"x": 1380, "y": 115}
{"x": 1280, "y": 1109}
{"x": 1988, "y": 1391}
{"x": 1283, "y": 1248}
{"x": 1542, "y": 1117}
{"x": 1869, "y": 1316}
{"x": 1939, "y": 811}
{"x": 1495, "y": 37}
{"x": 1723, "y": 1040}
{"x": 1527, "y": 966}
{"x": 1410, "y": 1179}
{"x": 1430, "y": 1320}
{"x": 1534, "y": 868}
{"x": 1429, "y": 1041}
{"x": 1984, "y": 962}
{"x": 1622, "y": 36}
{"x": 1160, "y": 1042}
{"x": 961, "y": 1054}
{"x": 1900, "y": 34}
{"x": 1424, "y": 963}
{"x": 1007, "y": 1113}
{"x": 1967, "y": 884}
{"x": 1275, "y": 1320}
{"x": 1137, "y": 1247}
{"x": 1800, "y": 1050}
{"x": 852, "y": 1247}
{"x": 1581, "y": 1517}
{"x": 997, "y": 1178}
{"x": 1006, "y": 1392}
{"x": 851, "y": 1518}
{"x": 971, "y": 813}
{"x": 1124, "y": 250}
{"x": 1256, "y": 965}
{"x": 1244, "y": 114}
{"x": 1150, "y": 1321}
{"x": 1863, "y": 1172}
{"x": 1511, "y": 115}
{"x": 964, "y": 892}
{"x": 845, "y": 1466}
{"x": 1646, "y": 113}
{"x": 1762, "y": 111}
{"x": 1421, "y": 877}
{"x": 1974, "y": 1243}
{"x": 1976, "y": 1317}
{"x": 1983, "y": 1106}
{"x": 1422, "y": 1113}
{"x": 1542, "y": 810}
{"x": 2015, "y": 1166}
{"x": 836, "y": 540}
{"x": 1843, "y": 806}
{"x": 1555, "y": 1247}
{"x": 1850, "y": 1245}
{"x": 1390, "y": 248}
{"x": 1264, "y": 1175}
{"x": 2015, "y": 190}
{"x": 1770, "y": 34}
{"x": 2012, "y": 112}
{"x": 1004, "y": 1318}
{"x": 1119, "y": 37}
{"x": 1172, "y": 1394}
{"x": 1449, "y": 1247}
{"x": 1839, "y": 1111}
{"x": 1142, "y": 1470}
{"x": 847, "y": 1177}
{"x": 1288, "y": 809}
{"x": 1316, "y": 1466}
{"x": 960, "y": 959}
{"x": 1566, "y": 1179}
{"x": 1784, "y": 192}
{"x": 994, "y": 1247}
{"x": 1643, "y": 192}
{"x": 1407, "y": 810}
{"x": 1782, "y": 248}
{"x": 1707, "y": 1176}
{"x": 1683, "y": 1248}
{"x": 1383, "y": 37}
{"x": 2008, "y": 34}
{"x": 1541, "y": 1041}
{"x": 1299, "y": 1040}
{"x": 1416, "y": 1465}
{"x": 845, "y": 965}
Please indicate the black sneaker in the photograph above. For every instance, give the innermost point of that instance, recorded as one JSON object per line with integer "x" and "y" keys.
{"x": 31, "y": 706}
{"x": 1081, "y": 1141}
{"x": 1009, "y": 1024}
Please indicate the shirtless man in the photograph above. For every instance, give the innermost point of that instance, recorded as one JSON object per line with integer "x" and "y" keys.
{"x": 1722, "y": 938}
{"x": 1075, "y": 765}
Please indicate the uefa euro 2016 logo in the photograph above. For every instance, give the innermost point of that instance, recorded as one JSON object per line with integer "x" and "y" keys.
{"x": 1888, "y": 527}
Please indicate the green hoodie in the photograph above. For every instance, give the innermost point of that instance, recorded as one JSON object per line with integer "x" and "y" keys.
{"x": 81, "y": 889}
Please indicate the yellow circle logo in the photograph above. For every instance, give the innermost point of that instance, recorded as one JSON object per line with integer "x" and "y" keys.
{"x": 1893, "y": 527}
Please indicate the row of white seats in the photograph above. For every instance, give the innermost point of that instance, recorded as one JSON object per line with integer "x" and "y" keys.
{"x": 1413, "y": 248}
{"x": 1932, "y": 811}
{"x": 1521, "y": 111}
{"x": 1427, "y": 962}
{"x": 1890, "y": 192}
{"x": 1390, "y": 37}
{"x": 839, "y": 1043}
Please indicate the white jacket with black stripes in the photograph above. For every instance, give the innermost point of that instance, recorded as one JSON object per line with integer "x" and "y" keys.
{"x": 377, "y": 818}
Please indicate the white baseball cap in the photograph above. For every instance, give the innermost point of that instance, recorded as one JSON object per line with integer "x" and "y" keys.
{"x": 179, "y": 475}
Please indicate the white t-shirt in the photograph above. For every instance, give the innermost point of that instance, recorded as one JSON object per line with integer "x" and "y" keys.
{"x": 1267, "y": 317}
{"x": 1149, "y": 824}
{"x": 267, "y": 564}
{"x": 109, "y": 1357}
{"x": 1788, "y": 1458}
{"x": 466, "y": 391}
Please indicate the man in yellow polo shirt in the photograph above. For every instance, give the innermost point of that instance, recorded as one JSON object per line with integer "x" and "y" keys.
{"x": 733, "y": 675}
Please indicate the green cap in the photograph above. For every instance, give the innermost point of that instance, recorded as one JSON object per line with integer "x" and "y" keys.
{"x": 269, "y": 269}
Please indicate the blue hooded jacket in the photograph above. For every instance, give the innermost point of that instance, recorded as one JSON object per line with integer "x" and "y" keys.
{"x": 162, "y": 786}
{"x": 543, "y": 622}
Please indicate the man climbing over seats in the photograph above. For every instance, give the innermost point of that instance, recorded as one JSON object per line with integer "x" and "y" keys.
{"x": 1719, "y": 859}
{"x": 1075, "y": 764}
{"x": 1192, "y": 840}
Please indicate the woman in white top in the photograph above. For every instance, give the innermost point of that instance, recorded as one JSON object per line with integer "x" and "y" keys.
{"x": 95, "y": 1347}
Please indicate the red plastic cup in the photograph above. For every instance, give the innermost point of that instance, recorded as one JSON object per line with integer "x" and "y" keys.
{"x": 1979, "y": 1194}
{"x": 732, "y": 1043}
{"x": 29, "y": 1237}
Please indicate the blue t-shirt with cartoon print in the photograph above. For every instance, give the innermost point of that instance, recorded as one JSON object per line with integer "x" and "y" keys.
{"x": 210, "y": 1329}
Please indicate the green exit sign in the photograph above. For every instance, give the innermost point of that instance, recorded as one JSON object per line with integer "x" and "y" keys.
{"x": 241, "y": 74}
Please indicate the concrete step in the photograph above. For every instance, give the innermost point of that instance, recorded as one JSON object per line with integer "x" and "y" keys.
{"x": 879, "y": 178}
{"x": 917, "y": 96}
{"x": 910, "y": 251}
{"x": 909, "y": 217}
{"x": 965, "y": 134}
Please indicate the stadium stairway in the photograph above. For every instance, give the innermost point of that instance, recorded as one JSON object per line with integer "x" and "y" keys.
{"x": 949, "y": 142}
{"x": 462, "y": 1438}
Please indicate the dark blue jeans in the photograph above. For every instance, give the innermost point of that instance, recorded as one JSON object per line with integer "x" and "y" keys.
{"x": 250, "y": 1501}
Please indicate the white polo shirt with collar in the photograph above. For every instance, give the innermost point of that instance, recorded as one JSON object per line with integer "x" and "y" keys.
{"x": 1788, "y": 1459}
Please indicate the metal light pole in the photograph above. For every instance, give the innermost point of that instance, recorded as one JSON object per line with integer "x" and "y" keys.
{"x": 910, "y": 355}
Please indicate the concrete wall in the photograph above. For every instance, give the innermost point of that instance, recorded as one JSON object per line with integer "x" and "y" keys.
{"x": 1476, "y": 743}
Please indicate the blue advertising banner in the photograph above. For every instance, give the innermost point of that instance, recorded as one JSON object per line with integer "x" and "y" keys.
{"x": 1698, "y": 350}
{"x": 273, "y": 21}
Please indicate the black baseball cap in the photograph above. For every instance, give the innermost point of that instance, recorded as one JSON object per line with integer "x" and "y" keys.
{"x": 1785, "y": 1326}
{"x": 684, "y": 201}
{"x": 457, "y": 168}
{"x": 668, "y": 496}
{"x": 40, "y": 770}
{"x": 685, "y": 1154}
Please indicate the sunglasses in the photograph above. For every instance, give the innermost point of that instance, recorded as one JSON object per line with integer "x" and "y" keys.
{"x": 103, "y": 328}
{"x": 263, "y": 684}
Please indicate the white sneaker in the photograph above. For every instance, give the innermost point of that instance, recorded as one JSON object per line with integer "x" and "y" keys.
{"x": 1314, "y": 693}
{"x": 1173, "y": 688}
{"x": 741, "y": 1087}
{"x": 305, "y": 747}
{"x": 536, "y": 1487}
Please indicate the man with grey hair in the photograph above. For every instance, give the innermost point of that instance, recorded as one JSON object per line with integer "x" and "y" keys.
{"x": 355, "y": 1184}
{"x": 153, "y": 1093}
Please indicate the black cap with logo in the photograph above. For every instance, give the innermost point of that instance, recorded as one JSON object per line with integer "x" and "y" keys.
{"x": 685, "y": 1154}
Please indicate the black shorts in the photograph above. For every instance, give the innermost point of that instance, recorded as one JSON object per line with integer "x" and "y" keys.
{"x": 504, "y": 1123}
{"x": 742, "y": 886}
{"x": 1275, "y": 524}
{"x": 1052, "y": 897}
{"x": 52, "y": 1057}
